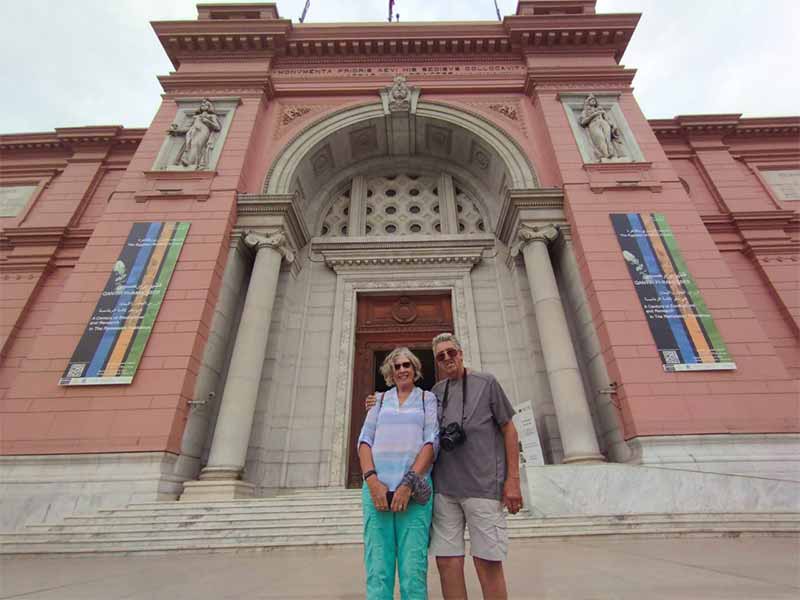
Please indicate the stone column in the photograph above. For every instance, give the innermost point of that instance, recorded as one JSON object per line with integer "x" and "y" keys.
{"x": 220, "y": 479}
{"x": 569, "y": 398}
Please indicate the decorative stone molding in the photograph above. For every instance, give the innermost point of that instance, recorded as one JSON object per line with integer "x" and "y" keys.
{"x": 272, "y": 211}
{"x": 277, "y": 241}
{"x": 533, "y": 207}
{"x": 400, "y": 97}
{"x": 510, "y": 111}
{"x": 282, "y": 176}
{"x": 197, "y": 134}
{"x": 600, "y": 128}
{"x": 357, "y": 275}
{"x": 290, "y": 113}
{"x": 406, "y": 253}
{"x": 525, "y": 235}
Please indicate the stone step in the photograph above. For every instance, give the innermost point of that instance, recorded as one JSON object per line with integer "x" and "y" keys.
{"x": 327, "y": 518}
{"x": 332, "y": 531}
{"x": 94, "y": 524}
{"x": 264, "y": 542}
{"x": 281, "y": 503}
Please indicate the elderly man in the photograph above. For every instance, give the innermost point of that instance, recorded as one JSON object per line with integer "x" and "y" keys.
{"x": 475, "y": 475}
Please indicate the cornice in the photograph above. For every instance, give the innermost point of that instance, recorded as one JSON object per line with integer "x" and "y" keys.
{"x": 362, "y": 253}
{"x": 763, "y": 219}
{"x": 64, "y": 138}
{"x": 725, "y": 124}
{"x": 230, "y": 37}
{"x": 516, "y": 202}
{"x": 276, "y": 205}
{"x": 537, "y": 33}
{"x": 267, "y": 37}
{"x": 257, "y": 82}
{"x": 586, "y": 79}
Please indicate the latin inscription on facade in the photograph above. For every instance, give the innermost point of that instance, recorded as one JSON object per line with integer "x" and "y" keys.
{"x": 785, "y": 184}
{"x": 377, "y": 71}
{"x": 14, "y": 198}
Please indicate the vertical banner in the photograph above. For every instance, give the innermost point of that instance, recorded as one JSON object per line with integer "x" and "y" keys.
{"x": 114, "y": 339}
{"x": 686, "y": 336}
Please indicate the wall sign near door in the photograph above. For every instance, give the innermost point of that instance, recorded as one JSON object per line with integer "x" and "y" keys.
{"x": 114, "y": 339}
{"x": 684, "y": 331}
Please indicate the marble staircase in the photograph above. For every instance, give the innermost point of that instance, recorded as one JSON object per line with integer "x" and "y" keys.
{"x": 329, "y": 518}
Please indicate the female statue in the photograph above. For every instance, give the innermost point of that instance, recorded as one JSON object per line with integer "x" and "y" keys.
{"x": 605, "y": 137}
{"x": 198, "y": 136}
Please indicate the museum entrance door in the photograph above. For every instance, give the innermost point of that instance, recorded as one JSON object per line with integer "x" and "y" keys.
{"x": 384, "y": 322}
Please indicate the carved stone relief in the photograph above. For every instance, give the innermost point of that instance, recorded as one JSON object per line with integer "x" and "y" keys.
{"x": 480, "y": 157}
{"x": 195, "y": 138}
{"x": 363, "y": 141}
{"x": 439, "y": 140}
{"x": 14, "y": 198}
{"x": 322, "y": 161}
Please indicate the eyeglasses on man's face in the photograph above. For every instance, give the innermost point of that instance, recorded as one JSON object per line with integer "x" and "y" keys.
{"x": 445, "y": 354}
{"x": 402, "y": 365}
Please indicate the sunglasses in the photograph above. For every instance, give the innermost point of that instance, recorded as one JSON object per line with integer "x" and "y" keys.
{"x": 402, "y": 365}
{"x": 445, "y": 354}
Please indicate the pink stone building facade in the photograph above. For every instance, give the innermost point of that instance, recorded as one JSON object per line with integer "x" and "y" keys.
{"x": 357, "y": 161}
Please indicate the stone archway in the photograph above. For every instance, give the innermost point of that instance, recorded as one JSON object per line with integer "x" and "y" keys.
{"x": 368, "y": 131}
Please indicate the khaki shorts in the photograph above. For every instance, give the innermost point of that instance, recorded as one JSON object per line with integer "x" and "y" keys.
{"x": 488, "y": 537}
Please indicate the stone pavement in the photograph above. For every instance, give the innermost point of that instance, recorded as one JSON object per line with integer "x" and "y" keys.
{"x": 754, "y": 568}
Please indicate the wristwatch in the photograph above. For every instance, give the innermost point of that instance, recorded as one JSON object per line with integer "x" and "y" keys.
{"x": 369, "y": 474}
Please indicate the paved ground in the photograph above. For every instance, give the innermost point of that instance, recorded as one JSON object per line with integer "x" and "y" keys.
{"x": 755, "y": 568}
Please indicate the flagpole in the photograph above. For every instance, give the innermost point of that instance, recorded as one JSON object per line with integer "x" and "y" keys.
{"x": 305, "y": 11}
{"x": 497, "y": 10}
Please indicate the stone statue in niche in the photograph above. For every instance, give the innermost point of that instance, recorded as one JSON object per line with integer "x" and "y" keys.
{"x": 605, "y": 136}
{"x": 399, "y": 95}
{"x": 199, "y": 136}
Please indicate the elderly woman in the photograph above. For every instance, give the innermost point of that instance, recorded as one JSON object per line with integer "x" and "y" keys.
{"x": 397, "y": 446}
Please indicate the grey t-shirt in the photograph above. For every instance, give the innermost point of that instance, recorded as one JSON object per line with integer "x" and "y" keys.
{"x": 477, "y": 468}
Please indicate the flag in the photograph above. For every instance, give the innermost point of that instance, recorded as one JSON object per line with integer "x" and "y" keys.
{"x": 391, "y": 9}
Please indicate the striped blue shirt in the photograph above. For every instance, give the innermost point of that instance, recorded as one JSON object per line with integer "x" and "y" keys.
{"x": 397, "y": 433}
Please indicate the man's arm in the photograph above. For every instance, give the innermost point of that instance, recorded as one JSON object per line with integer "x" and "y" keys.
{"x": 512, "y": 493}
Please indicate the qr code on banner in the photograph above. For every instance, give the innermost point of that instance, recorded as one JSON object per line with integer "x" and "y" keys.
{"x": 671, "y": 357}
{"x": 76, "y": 369}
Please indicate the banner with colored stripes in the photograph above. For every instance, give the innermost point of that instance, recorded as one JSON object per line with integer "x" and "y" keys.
{"x": 685, "y": 334}
{"x": 114, "y": 339}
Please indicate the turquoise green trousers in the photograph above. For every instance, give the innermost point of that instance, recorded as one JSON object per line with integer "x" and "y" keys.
{"x": 396, "y": 541}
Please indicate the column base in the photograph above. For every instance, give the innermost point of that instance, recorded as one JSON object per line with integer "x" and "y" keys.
{"x": 584, "y": 459}
{"x": 231, "y": 489}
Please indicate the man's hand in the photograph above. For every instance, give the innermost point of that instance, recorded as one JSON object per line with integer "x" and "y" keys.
{"x": 369, "y": 402}
{"x": 512, "y": 495}
{"x": 400, "y": 499}
{"x": 378, "y": 490}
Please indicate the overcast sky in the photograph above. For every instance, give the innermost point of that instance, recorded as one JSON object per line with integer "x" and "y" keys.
{"x": 94, "y": 62}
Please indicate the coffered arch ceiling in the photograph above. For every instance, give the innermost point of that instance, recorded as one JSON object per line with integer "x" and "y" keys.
{"x": 342, "y": 144}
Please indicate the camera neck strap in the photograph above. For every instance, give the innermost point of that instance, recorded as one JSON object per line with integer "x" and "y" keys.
{"x": 463, "y": 398}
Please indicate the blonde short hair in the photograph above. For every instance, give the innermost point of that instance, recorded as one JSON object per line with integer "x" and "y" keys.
{"x": 445, "y": 337}
{"x": 387, "y": 368}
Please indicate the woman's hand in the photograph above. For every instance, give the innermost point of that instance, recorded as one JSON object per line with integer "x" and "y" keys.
{"x": 378, "y": 490}
{"x": 369, "y": 401}
{"x": 400, "y": 499}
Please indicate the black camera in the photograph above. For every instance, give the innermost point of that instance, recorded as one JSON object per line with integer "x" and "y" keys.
{"x": 451, "y": 436}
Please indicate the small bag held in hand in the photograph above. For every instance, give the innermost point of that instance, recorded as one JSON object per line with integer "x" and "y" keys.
{"x": 420, "y": 490}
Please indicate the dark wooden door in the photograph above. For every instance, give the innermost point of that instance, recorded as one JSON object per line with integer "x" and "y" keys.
{"x": 383, "y": 323}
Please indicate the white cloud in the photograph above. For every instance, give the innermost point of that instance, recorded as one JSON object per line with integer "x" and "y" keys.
{"x": 86, "y": 62}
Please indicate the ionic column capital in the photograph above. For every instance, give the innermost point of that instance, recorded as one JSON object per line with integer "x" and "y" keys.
{"x": 526, "y": 234}
{"x": 277, "y": 241}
